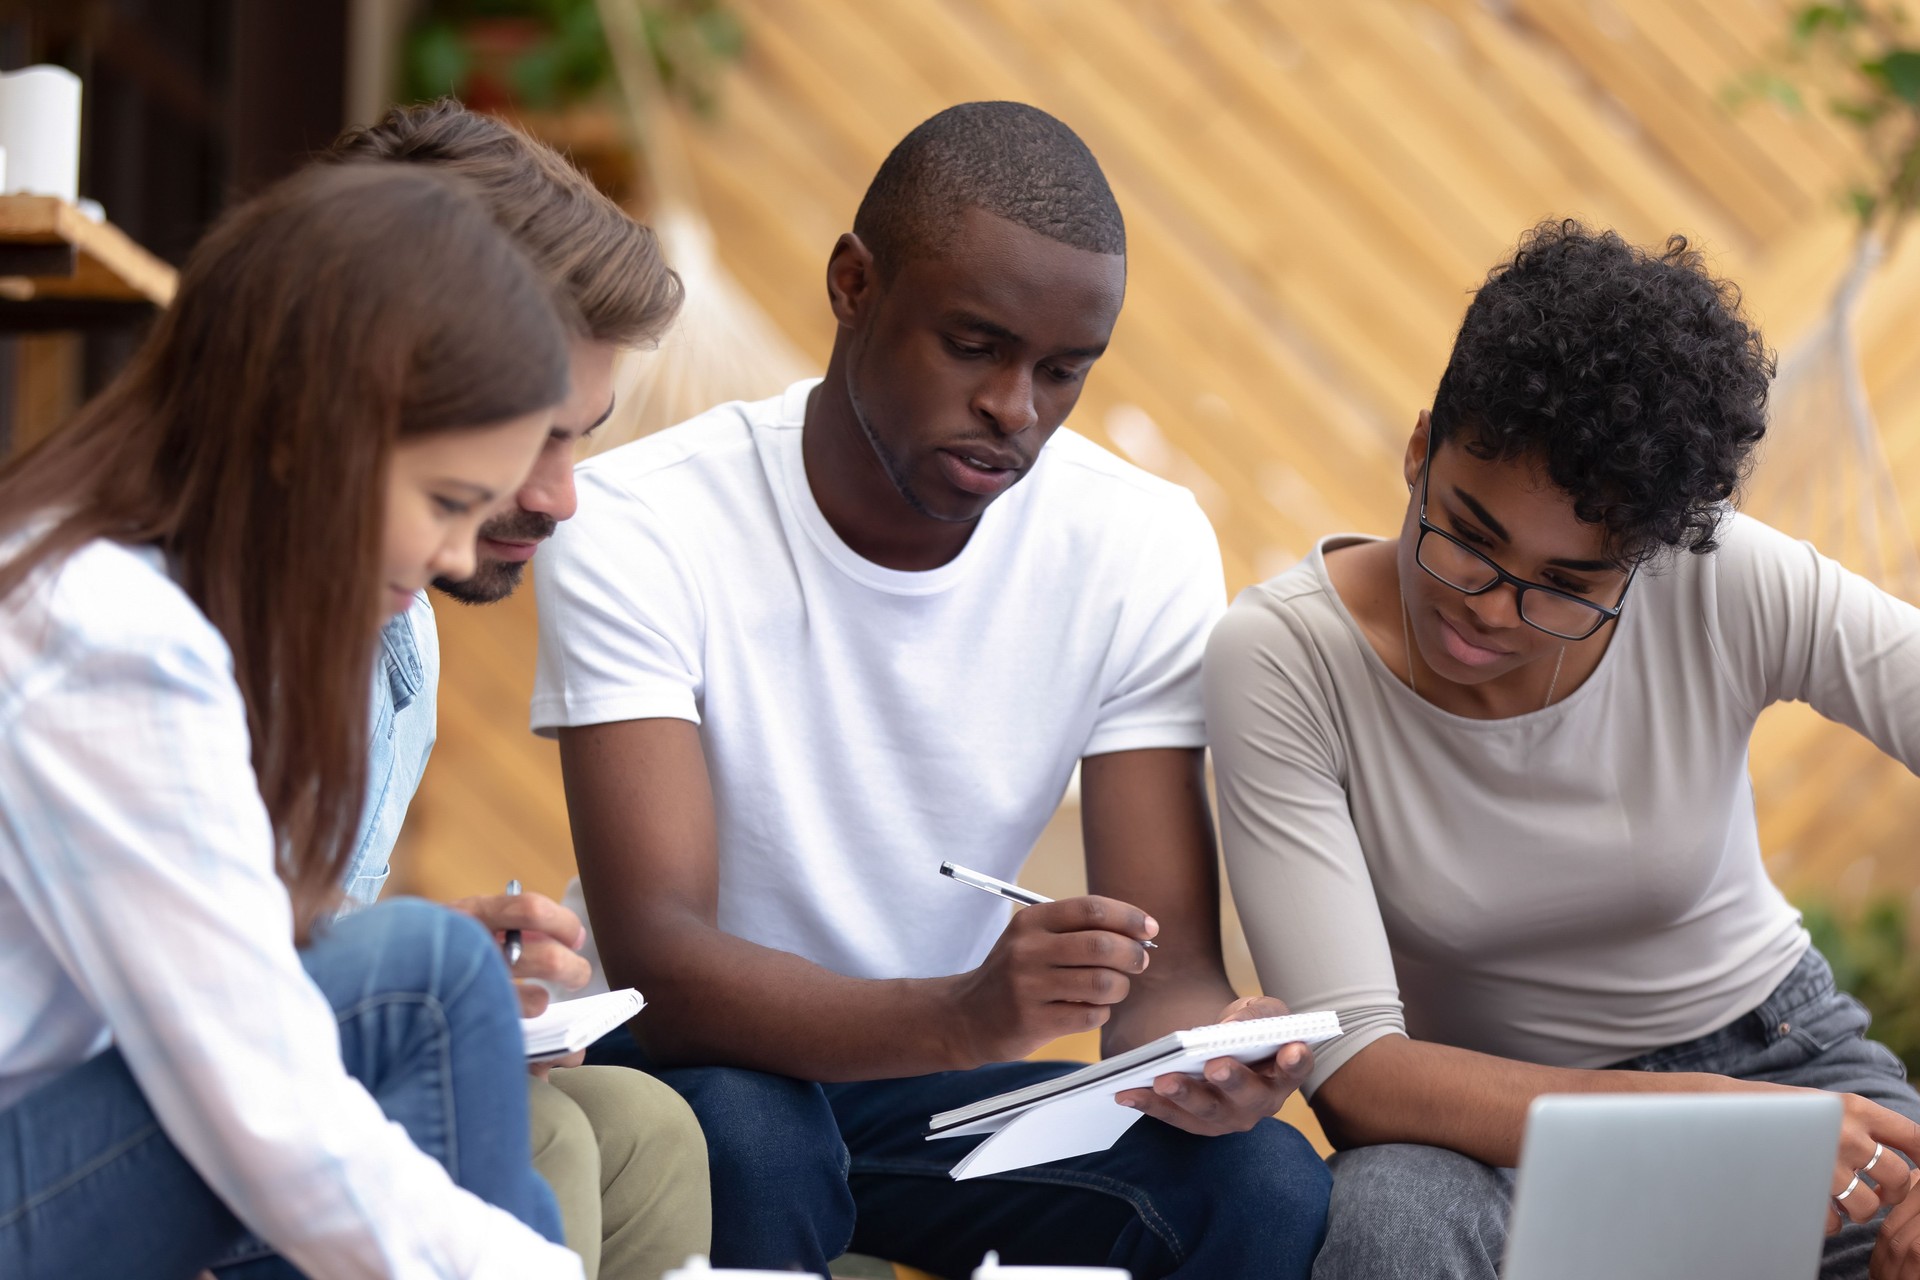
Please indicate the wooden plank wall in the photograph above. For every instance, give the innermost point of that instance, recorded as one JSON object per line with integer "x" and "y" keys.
{"x": 1311, "y": 190}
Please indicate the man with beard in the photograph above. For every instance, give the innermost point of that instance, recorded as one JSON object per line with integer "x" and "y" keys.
{"x": 798, "y": 652}
{"x": 622, "y": 1152}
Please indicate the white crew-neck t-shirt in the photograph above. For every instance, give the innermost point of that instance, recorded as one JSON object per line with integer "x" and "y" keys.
{"x": 1575, "y": 886}
{"x": 862, "y": 724}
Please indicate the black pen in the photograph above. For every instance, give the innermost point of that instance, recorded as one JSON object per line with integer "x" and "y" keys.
{"x": 1000, "y": 888}
{"x": 512, "y": 943}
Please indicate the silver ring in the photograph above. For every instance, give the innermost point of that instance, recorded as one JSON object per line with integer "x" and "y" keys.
{"x": 1851, "y": 1188}
{"x": 1879, "y": 1149}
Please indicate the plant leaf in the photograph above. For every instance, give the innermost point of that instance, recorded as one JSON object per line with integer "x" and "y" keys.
{"x": 1873, "y": 958}
{"x": 1814, "y": 18}
{"x": 1864, "y": 114}
{"x": 536, "y": 75}
{"x": 437, "y": 62}
{"x": 1900, "y": 72}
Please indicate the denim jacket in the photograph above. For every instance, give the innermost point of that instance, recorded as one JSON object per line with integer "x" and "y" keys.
{"x": 406, "y": 679}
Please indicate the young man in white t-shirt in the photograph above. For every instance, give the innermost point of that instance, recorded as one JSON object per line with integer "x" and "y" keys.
{"x": 799, "y": 652}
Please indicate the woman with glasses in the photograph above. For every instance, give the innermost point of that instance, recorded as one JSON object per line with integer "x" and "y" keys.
{"x": 1484, "y": 784}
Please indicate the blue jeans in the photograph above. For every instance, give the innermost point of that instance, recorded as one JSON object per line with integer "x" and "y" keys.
{"x": 90, "y": 1185}
{"x": 803, "y": 1172}
{"x": 1411, "y": 1211}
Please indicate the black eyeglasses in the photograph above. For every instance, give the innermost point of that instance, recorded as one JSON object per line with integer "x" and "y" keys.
{"x": 1466, "y": 569}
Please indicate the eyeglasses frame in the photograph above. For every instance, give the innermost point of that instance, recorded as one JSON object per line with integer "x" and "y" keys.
{"x": 1520, "y": 585}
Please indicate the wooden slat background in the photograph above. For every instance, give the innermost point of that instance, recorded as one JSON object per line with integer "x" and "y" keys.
{"x": 1311, "y": 190}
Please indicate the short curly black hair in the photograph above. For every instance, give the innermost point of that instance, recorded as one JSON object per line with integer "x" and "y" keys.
{"x": 1633, "y": 377}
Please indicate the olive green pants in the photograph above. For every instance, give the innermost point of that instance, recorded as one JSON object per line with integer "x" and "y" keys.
{"x": 628, "y": 1165}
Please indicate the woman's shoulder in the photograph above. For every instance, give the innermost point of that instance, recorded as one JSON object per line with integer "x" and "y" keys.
{"x": 1753, "y": 570}
{"x": 1743, "y": 544}
{"x": 1303, "y": 596}
{"x": 1294, "y": 616}
{"x": 107, "y": 597}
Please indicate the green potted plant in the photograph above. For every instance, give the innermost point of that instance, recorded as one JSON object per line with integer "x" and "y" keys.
{"x": 544, "y": 55}
{"x": 547, "y": 65}
{"x": 1859, "y": 61}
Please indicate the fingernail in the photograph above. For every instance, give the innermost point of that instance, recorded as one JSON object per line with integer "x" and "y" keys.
{"x": 1128, "y": 1102}
{"x": 1217, "y": 1074}
{"x": 1153, "y": 926}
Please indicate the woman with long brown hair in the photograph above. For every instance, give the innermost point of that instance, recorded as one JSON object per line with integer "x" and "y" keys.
{"x": 358, "y": 367}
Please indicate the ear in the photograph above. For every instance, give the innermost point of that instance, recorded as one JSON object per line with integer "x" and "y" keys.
{"x": 1417, "y": 446}
{"x": 852, "y": 281}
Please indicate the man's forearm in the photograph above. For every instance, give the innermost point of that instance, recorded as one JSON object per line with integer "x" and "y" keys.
{"x": 717, "y": 1000}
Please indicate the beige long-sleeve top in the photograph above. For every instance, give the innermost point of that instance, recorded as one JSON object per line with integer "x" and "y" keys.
{"x": 1571, "y": 887}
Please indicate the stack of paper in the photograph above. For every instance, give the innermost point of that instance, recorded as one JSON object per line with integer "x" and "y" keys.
{"x": 572, "y": 1025}
{"x": 1076, "y": 1114}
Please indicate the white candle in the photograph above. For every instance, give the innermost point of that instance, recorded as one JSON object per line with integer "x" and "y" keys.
{"x": 40, "y": 132}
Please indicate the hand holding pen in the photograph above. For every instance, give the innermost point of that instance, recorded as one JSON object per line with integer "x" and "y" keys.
{"x": 1058, "y": 968}
{"x": 511, "y": 943}
{"x": 1229, "y": 1096}
{"x": 540, "y": 939}
{"x": 991, "y": 884}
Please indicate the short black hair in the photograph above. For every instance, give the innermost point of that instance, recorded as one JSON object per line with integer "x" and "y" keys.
{"x": 1632, "y": 376}
{"x": 1006, "y": 158}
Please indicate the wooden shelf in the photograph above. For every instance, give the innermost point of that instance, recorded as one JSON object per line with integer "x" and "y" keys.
{"x": 51, "y": 252}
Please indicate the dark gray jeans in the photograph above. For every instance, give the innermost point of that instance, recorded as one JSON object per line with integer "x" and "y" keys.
{"x": 1411, "y": 1212}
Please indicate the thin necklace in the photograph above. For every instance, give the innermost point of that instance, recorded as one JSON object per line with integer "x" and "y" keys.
{"x": 1406, "y": 638}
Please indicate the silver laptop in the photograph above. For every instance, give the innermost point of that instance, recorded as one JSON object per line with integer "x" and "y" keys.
{"x": 1613, "y": 1186}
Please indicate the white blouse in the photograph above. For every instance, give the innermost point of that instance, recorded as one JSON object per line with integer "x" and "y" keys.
{"x": 139, "y": 907}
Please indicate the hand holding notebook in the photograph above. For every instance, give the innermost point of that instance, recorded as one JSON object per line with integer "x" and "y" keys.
{"x": 572, "y": 1025}
{"x": 1076, "y": 1114}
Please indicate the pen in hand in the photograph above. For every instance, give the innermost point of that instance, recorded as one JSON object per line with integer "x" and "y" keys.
{"x": 1000, "y": 888}
{"x": 512, "y": 943}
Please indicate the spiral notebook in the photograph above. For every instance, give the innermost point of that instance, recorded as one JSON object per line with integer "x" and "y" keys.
{"x": 571, "y": 1025}
{"x": 1076, "y": 1114}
